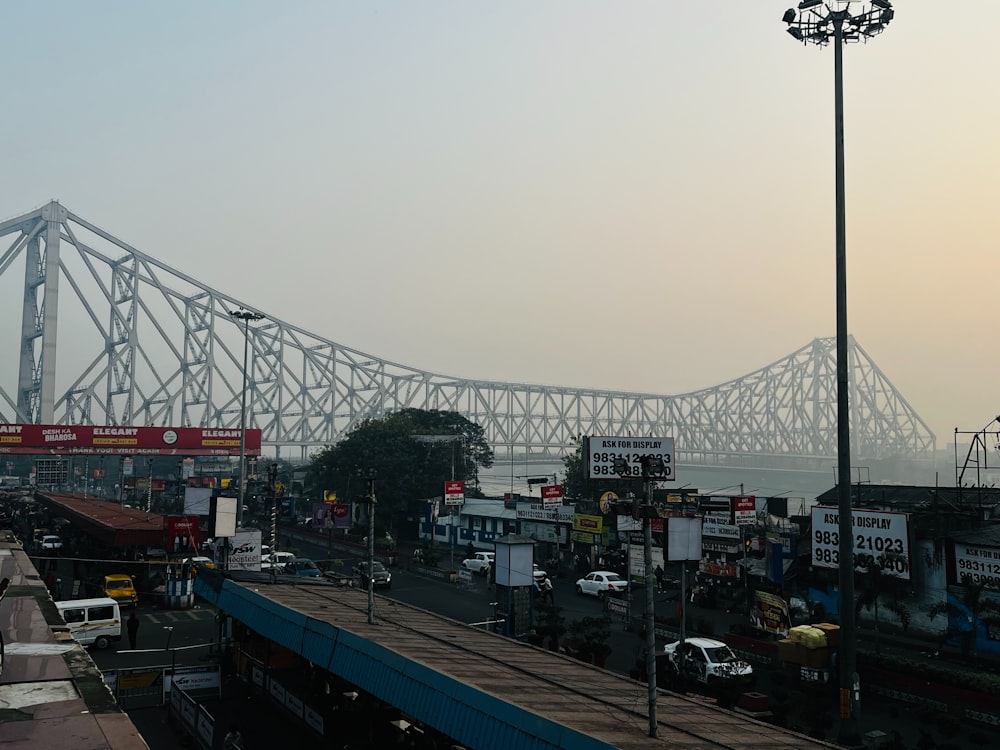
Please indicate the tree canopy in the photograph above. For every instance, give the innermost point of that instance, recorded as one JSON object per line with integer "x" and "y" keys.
{"x": 410, "y": 452}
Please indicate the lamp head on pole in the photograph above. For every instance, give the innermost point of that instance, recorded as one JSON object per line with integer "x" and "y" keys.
{"x": 818, "y": 22}
{"x": 247, "y": 316}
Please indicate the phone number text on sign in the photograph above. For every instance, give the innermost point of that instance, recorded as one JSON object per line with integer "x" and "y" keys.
{"x": 879, "y": 537}
{"x": 602, "y": 452}
{"x": 981, "y": 564}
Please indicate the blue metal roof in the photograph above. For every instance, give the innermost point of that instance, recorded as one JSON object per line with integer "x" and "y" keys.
{"x": 483, "y": 690}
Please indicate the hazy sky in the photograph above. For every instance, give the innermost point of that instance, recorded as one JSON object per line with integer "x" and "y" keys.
{"x": 622, "y": 195}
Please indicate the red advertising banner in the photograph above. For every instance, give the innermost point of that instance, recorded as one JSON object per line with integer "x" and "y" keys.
{"x": 454, "y": 492}
{"x": 120, "y": 441}
{"x": 182, "y": 534}
{"x": 552, "y": 496}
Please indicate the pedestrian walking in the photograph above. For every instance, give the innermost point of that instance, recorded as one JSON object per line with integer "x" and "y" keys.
{"x": 659, "y": 578}
{"x": 547, "y": 592}
{"x": 133, "y": 629}
{"x": 470, "y": 551}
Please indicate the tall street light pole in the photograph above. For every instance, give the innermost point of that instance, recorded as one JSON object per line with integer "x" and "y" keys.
{"x": 246, "y": 316}
{"x": 818, "y": 22}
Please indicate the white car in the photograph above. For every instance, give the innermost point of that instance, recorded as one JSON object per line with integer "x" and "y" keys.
{"x": 601, "y": 583}
{"x": 276, "y": 560}
{"x": 199, "y": 562}
{"x": 707, "y": 661}
{"x": 51, "y": 542}
{"x": 479, "y": 562}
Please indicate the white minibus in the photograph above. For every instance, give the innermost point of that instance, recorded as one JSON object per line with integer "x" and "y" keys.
{"x": 95, "y": 622}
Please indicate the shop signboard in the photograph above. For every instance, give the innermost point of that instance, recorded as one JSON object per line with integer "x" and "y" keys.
{"x": 745, "y": 510}
{"x": 454, "y": 492}
{"x": 588, "y": 524}
{"x": 552, "y": 495}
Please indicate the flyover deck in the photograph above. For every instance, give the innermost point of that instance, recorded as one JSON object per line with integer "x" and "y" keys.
{"x": 482, "y": 689}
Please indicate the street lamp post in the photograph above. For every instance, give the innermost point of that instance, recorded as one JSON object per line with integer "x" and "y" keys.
{"x": 246, "y": 316}
{"x": 370, "y": 475}
{"x": 818, "y": 22}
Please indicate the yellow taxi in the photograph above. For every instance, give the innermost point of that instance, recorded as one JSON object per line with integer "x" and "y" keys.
{"x": 120, "y": 587}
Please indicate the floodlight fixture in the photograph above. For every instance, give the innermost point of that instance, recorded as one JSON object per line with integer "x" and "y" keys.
{"x": 843, "y": 20}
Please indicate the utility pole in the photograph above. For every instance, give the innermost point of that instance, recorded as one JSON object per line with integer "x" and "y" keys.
{"x": 272, "y": 479}
{"x": 652, "y": 466}
{"x": 371, "y": 546}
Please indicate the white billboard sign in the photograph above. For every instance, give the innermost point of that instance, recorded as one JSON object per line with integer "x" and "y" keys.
{"x": 683, "y": 538}
{"x": 711, "y": 527}
{"x": 878, "y": 535}
{"x": 603, "y": 450}
{"x": 981, "y": 564}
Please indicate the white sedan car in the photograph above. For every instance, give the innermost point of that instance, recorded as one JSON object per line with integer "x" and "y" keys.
{"x": 479, "y": 562}
{"x": 601, "y": 583}
{"x": 708, "y": 661}
{"x": 51, "y": 542}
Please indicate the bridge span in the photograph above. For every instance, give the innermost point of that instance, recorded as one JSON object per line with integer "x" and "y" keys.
{"x": 111, "y": 335}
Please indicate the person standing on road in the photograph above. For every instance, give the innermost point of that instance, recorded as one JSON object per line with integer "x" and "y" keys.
{"x": 659, "y": 578}
{"x": 470, "y": 551}
{"x": 547, "y": 593}
{"x": 133, "y": 629}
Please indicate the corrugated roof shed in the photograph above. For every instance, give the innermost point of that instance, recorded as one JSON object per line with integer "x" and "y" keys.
{"x": 483, "y": 690}
{"x": 51, "y": 694}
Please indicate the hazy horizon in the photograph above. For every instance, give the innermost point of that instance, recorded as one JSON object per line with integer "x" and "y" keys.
{"x": 627, "y": 197}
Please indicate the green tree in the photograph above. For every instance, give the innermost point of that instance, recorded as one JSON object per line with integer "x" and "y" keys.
{"x": 405, "y": 467}
{"x": 975, "y": 606}
{"x": 877, "y": 587}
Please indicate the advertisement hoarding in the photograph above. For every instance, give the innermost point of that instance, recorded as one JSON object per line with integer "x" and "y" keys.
{"x": 769, "y": 613}
{"x": 879, "y": 536}
{"x": 978, "y": 563}
{"x": 552, "y": 495}
{"x": 100, "y": 440}
{"x": 745, "y": 510}
{"x": 454, "y": 492}
{"x": 182, "y": 534}
{"x": 601, "y": 452}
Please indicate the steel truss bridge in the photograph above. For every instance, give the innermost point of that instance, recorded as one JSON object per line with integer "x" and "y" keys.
{"x": 140, "y": 343}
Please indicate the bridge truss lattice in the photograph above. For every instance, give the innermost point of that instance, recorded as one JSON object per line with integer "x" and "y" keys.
{"x": 140, "y": 343}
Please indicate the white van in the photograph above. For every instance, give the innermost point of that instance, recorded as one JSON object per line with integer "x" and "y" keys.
{"x": 95, "y": 622}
